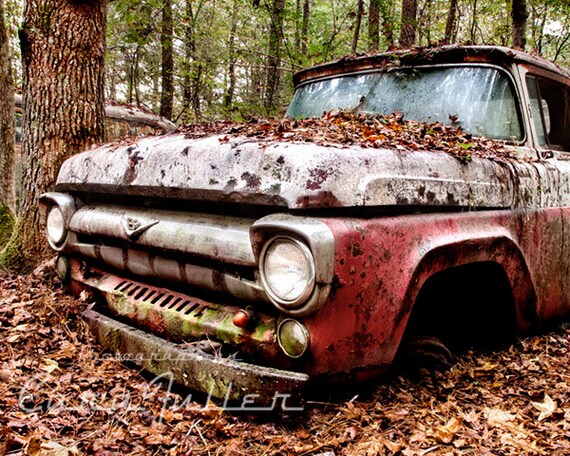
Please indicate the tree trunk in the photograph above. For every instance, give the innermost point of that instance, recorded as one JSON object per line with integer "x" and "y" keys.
{"x": 297, "y": 25}
{"x": 305, "y": 26}
{"x": 408, "y": 26}
{"x": 541, "y": 31}
{"x": 192, "y": 69}
{"x": 63, "y": 57}
{"x": 450, "y": 23}
{"x": 473, "y": 22}
{"x": 6, "y": 134}
{"x": 229, "y": 97}
{"x": 166, "y": 38}
{"x": 357, "y": 23}
{"x": 387, "y": 13}
{"x": 373, "y": 25}
{"x": 275, "y": 34}
{"x": 519, "y": 16}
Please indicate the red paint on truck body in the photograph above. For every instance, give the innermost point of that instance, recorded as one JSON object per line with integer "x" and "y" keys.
{"x": 382, "y": 263}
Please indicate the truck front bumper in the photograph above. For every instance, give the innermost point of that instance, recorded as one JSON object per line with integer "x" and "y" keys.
{"x": 192, "y": 367}
{"x": 181, "y": 338}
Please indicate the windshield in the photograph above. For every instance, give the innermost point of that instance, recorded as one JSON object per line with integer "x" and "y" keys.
{"x": 479, "y": 99}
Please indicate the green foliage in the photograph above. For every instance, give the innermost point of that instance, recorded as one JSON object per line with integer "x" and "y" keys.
{"x": 13, "y": 259}
{"x": 134, "y": 54}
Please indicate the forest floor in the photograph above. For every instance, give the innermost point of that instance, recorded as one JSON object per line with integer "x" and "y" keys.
{"x": 59, "y": 396}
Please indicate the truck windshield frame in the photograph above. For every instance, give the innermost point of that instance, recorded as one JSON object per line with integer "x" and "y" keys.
{"x": 481, "y": 99}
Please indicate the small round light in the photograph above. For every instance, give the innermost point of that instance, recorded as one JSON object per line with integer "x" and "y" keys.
{"x": 287, "y": 271}
{"x": 62, "y": 267}
{"x": 55, "y": 226}
{"x": 293, "y": 338}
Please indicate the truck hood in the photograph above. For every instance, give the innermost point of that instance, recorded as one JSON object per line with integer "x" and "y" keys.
{"x": 291, "y": 175}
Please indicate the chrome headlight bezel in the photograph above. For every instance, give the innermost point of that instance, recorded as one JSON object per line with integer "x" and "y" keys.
{"x": 304, "y": 295}
{"x": 56, "y": 230}
{"x": 67, "y": 205}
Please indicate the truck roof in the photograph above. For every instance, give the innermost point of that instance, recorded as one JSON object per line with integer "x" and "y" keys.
{"x": 498, "y": 55}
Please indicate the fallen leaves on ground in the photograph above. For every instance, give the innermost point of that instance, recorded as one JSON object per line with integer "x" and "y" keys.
{"x": 367, "y": 130}
{"x": 59, "y": 396}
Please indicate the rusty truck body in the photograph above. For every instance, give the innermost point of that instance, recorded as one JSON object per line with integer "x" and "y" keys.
{"x": 262, "y": 267}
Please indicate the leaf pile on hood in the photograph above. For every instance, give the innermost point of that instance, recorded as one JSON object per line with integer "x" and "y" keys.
{"x": 348, "y": 128}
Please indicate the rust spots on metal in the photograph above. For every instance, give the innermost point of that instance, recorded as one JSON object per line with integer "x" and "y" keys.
{"x": 356, "y": 250}
{"x": 321, "y": 199}
{"x": 252, "y": 181}
{"x": 134, "y": 159}
{"x": 318, "y": 177}
{"x": 179, "y": 317}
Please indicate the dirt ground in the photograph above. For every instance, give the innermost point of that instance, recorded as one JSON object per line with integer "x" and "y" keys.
{"x": 60, "y": 395}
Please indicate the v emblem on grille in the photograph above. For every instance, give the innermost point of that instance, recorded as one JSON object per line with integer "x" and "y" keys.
{"x": 134, "y": 228}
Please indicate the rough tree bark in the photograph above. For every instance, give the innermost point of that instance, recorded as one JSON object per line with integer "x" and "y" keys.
{"x": 408, "y": 26}
{"x": 167, "y": 70}
{"x": 6, "y": 134}
{"x": 63, "y": 56}
{"x": 275, "y": 33}
{"x": 373, "y": 25}
{"x": 450, "y": 23}
{"x": 357, "y": 24}
{"x": 519, "y": 15}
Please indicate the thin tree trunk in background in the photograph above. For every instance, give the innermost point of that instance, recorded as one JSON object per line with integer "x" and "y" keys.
{"x": 408, "y": 23}
{"x": 473, "y": 22}
{"x": 136, "y": 79}
{"x": 131, "y": 80}
{"x": 541, "y": 31}
{"x": 6, "y": 127}
{"x": 519, "y": 16}
{"x": 63, "y": 57}
{"x": 373, "y": 25}
{"x": 423, "y": 21}
{"x": 166, "y": 38}
{"x": 229, "y": 97}
{"x": 275, "y": 34}
{"x": 305, "y": 26}
{"x": 189, "y": 49}
{"x": 450, "y": 23}
{"x": 387, "y": 14}
{"x": 192, "y": 70}
{"x": 297, "y": 25}
{"x": 357, "y": 24}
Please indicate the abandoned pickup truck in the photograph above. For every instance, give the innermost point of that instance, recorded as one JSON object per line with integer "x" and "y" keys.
{"x": 247, "y": 265}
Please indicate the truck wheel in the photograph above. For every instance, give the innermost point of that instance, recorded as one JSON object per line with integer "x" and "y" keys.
{"x": 428, "y": 352}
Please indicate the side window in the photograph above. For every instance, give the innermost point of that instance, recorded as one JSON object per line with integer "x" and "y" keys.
{"x": 550, "y": 104}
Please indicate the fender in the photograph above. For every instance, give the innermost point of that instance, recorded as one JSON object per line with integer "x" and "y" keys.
{"x": 501, "y": 250}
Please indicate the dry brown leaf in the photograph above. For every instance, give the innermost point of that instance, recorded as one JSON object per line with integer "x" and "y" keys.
{"x": 498, "y": 417}
{"x": 546, "y": 407}
{"x": 446, "y": 434}
{"x": 48, "y": 365}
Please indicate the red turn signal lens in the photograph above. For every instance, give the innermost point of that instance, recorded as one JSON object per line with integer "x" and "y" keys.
{"x": 243, "y": 318}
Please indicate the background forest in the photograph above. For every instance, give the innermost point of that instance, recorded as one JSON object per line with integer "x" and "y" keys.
{"x": 196, "y": 60}
{"x": 201, "y": 60}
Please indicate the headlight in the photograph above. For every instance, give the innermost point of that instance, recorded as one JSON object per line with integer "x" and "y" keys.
{"x": 55, "y": 226}
{"x": 287, "y": 271}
